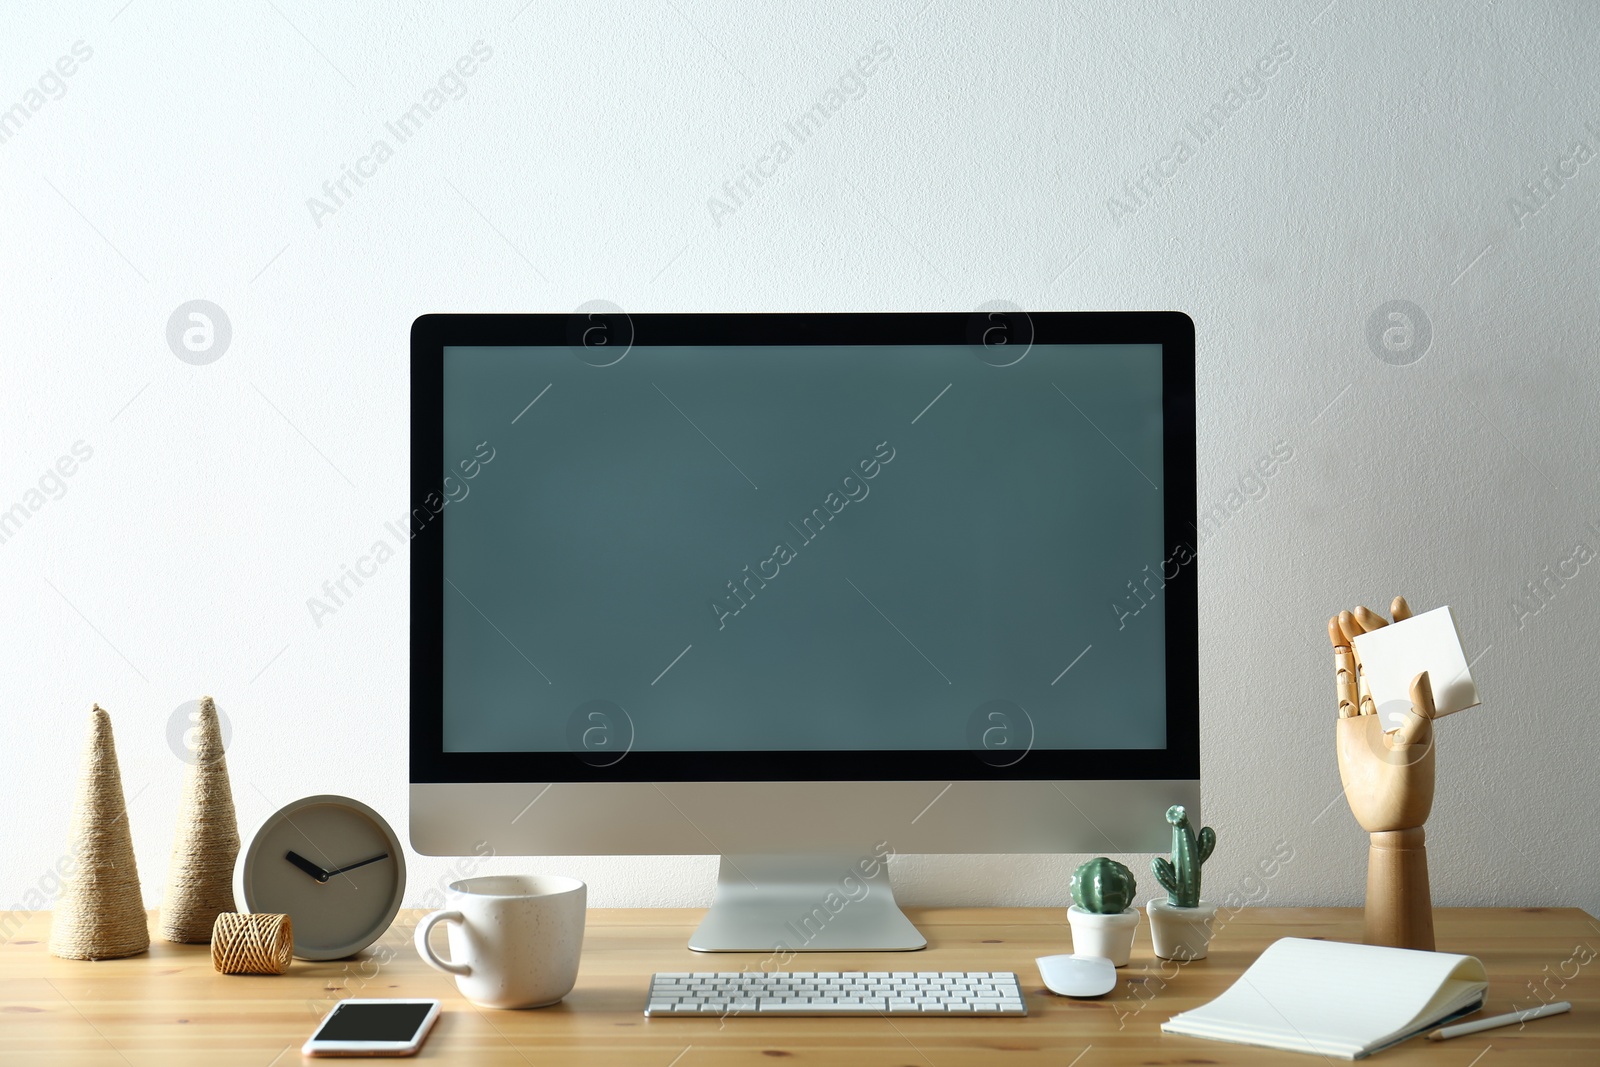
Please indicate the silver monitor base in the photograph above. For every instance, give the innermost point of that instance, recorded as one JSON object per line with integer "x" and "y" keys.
{"x": 808, "y": 903}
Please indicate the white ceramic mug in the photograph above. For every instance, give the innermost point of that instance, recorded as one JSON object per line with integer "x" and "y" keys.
{"x": 514, "y": 938}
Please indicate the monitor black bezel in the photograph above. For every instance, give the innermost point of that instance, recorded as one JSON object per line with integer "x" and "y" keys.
{"x": 1173, "y": 331}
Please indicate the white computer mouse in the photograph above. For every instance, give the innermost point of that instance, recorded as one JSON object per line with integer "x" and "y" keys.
{"x": 1077, "y": 976}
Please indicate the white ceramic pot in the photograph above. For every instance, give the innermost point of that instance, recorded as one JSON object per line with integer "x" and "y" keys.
{"x": 1180, "y": 933}
{"x": 1110, "y": 936}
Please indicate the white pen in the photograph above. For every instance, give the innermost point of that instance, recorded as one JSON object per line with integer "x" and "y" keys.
{"x": 1501, "y": 1020}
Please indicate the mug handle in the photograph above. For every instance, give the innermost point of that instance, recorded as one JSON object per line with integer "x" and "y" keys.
{"x": 425, "y": 950}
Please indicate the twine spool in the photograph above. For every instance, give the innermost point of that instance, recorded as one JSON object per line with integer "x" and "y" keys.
{"x": 100, "y": 913}
{"x": 254, "y": 943}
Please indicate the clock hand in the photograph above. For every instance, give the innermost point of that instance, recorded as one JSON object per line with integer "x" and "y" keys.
{"x": 363, "y": 863}
{"x": 306, "y": 865}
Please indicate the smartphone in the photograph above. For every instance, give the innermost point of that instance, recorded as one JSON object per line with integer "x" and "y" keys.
{"x": 373, "y": 1028}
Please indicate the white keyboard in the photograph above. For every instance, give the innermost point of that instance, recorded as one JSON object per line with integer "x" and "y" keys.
{"x": 836, "y": 993}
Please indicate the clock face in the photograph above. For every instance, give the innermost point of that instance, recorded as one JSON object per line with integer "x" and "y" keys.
{"x": 334, "y": 867}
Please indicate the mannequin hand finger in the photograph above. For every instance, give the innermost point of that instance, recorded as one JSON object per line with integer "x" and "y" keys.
{"x": 1422, "y": 697}
{"x": 1369, "y": 619}
{"x": 1351, "y": 627}
{"x": 1344, "y": 670}
{"x": 1400, "y": 609}
{"x": 1415, "y": 730}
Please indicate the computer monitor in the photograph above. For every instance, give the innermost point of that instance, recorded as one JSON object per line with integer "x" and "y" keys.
{"x": 804, "y": 591}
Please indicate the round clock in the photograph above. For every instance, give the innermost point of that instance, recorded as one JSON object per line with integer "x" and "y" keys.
{"x": 334, "y": 866}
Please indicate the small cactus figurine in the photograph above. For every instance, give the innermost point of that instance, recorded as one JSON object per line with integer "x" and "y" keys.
{"x": 1180, "y": 876}
{"x": 1101, "y": 919}
{"x": 1103, "y": 886}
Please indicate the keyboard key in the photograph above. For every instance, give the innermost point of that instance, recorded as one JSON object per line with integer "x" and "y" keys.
{"x": 786, "y": 1007}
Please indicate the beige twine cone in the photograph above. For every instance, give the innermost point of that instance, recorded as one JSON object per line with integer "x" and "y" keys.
{"x": 100, "y": 912}
{"x": 200, "y": 873}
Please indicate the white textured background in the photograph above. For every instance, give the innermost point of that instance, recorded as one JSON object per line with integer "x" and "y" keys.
{"x": 1379, "y": 163}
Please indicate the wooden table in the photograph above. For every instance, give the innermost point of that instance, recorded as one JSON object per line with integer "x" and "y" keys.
{"x": 168, "y": 1008}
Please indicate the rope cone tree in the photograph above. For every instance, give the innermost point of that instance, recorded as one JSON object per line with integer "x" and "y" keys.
{"x": 100, "y": 913}
{"x": 200, "y": 874}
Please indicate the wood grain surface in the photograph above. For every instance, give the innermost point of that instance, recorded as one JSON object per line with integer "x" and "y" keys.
{"x": 168, "y": 1008}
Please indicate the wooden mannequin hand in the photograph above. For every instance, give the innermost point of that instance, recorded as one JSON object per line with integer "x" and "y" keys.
{"x": 1388, "y": 780}
{"x": 1388, "y": 777}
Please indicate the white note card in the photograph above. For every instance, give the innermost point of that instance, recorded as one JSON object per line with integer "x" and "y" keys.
{"x": 1393, "y": 655}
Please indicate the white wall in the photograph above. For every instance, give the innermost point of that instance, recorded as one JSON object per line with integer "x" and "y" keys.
{"x": 1380, "y": 161}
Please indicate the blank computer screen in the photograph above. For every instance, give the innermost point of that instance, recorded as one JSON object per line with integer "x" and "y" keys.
{"x": 802, "y": 547}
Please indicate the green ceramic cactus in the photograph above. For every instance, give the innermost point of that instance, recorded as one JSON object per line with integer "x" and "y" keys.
{"x": 1180, "y": 876}
{"x": 1103, "y": 886}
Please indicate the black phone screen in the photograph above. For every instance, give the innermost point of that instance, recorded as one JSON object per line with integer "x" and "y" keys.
{"x": 355, "y": 1021}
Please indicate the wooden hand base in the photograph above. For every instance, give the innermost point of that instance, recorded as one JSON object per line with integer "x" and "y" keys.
{"x": 1399, "y": 906}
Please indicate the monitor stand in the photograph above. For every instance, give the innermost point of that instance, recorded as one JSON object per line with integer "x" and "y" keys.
{"x": 804, "y": 903}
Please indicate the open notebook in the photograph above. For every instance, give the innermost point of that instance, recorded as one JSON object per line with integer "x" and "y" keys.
{"x": 1339, "y": 1000}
